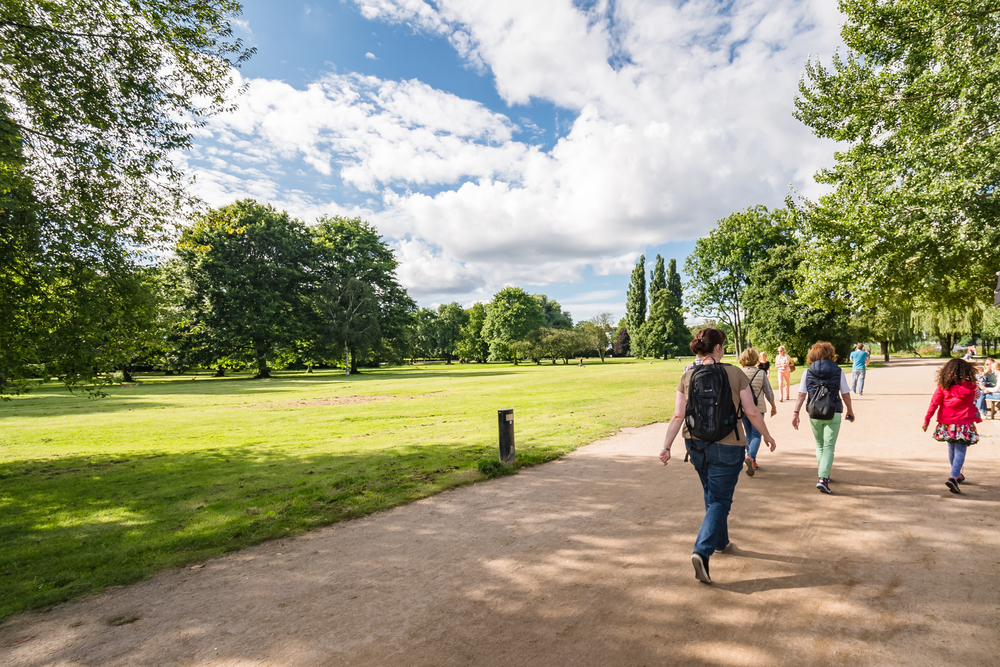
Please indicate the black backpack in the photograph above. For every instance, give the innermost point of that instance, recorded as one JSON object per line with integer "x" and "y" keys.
{"x": 822, "y": 403}
{"x": 711, "y": 414}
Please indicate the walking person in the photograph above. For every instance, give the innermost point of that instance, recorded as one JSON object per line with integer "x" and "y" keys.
{"x": 954, "y": 403}
{"x": 785, "y": 367}
{"x": 706, "y": 410}
{"x": 859, "y": 365}
{"x": 760, "y": 387}
{"x": 825, "y": 385}
{"x": 764, "y": 365}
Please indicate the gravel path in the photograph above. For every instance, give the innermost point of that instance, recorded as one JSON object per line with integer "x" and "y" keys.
{"x": 585, "y": 561}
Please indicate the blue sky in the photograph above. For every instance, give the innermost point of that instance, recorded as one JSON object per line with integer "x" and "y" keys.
{"x": 541, "y": 144}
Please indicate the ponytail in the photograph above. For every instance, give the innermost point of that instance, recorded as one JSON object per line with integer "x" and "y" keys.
{"x": 705, "y": 340}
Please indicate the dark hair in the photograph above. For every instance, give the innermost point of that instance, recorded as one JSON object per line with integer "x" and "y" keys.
{"x": 705, "y": 340}
{"x": 956, "y": 371}
{"x": 821, "y": 350}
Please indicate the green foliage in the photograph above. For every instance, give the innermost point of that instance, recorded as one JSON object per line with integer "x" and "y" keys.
{"x": 912, "y": 221}
{"x": 511, "y": 316}
{"x": 657, "y": 279}
{"x": 555, "y": 316}
{"x": 597, "y": 332}
{"x": 664, "y": 333}
{"x": 366, "y": 311}
{"x": 246, "y": 266}
{"x": 721, "y": 263}
{"x": 493, "y": 468}
{"x": 472, "y": 345}
{"x": 780, "y": 315}
{"x": 635, "y": 306}
{"x": 94, "y": 100}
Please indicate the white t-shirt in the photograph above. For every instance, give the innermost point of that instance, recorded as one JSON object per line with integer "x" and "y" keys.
{"x": 844, "y": 387}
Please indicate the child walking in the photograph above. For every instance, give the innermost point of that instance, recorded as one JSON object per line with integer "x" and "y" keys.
{"x": 954, "y": 401}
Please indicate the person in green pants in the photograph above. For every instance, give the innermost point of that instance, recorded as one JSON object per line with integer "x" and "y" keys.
{"x": 823, "y": 371}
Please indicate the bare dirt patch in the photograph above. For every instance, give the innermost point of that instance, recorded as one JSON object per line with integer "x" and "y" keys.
{"x": 315, "y": 402}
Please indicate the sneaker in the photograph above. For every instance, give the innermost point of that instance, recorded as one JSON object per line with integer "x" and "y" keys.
{"x": 953, "y": 485}
{"x": 724, "y": 549}
{"x": 960, "y": 479}
{"x": 751, "y": 466}
{"x": 823, "y": 485}
{"x": 701, "y": 568}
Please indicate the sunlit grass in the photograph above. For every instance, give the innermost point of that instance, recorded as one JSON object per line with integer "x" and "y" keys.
{"x": 98, "y": 493}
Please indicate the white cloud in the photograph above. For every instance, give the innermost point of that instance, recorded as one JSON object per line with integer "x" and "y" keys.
{"x": 683, "y": 114}
{"x": 370, "y": 56}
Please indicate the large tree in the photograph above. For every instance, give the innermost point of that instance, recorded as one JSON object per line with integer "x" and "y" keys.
{"x": 350, "y": 249}
{"x": 472, "y": 345}
{"x": 95, "y": 97}
{"x": 511, "y": 316}
{"x": 912, "y": 220}
{"x": 720, "y": 265}
{"x": 247, "y": 266}
{"x": 555, "y": 316}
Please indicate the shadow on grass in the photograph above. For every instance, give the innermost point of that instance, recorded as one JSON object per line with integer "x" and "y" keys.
{"x": 74, "y": 525}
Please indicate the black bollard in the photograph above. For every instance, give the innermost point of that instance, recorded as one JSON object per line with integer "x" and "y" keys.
{"x": 505, "y": 420}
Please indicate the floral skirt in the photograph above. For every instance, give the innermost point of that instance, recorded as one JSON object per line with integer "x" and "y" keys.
{"x": 964, "y": 433}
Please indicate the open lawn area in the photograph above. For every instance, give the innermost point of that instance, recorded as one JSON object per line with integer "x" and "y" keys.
{"x": 104, "y": 492}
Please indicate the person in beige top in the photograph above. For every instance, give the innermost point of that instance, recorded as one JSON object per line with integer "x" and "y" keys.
{"x": 785, "y": 365}
{"x": 760, "y": 386}
{"x": 718, "y": 463}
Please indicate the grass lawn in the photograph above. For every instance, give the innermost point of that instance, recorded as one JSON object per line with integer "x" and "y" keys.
{"x": 103, "y": 492}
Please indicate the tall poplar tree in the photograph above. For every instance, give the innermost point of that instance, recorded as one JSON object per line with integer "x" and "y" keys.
{"x": 635, "y": 306}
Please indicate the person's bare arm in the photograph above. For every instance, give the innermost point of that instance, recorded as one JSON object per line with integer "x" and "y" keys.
{"x": 750, "y": 410}
{"x": 847, "y": 404}
{"x": 674, "y": 426}
{"x": 798, "y": 406}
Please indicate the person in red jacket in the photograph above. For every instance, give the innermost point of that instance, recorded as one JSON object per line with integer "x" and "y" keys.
{"x": 954, "y": 401}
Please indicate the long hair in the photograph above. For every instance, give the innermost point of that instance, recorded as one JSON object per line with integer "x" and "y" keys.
{"x": 956, "y": 371}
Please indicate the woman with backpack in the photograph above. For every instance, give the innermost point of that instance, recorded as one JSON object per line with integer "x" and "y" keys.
{"x": 825, "y": 385}
{"x": 760, "y": 387}
{"x": 707, "y": 407}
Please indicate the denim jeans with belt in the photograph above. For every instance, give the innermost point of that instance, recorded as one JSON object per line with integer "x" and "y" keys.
{"x": 719, "y": 468}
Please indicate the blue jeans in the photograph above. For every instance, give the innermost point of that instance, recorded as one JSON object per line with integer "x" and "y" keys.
{"x": 956, "y": 456}
{"x": 858, "y": 380}
{"x": 719, "y": 468}
{"x": 981, "y": 401}
{"x": 753, "y": 439}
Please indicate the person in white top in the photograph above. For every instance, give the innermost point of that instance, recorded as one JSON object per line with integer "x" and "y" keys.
{"x": 785, "y": 365}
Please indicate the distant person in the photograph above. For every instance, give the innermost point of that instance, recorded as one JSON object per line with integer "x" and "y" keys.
{"x": 954, "y": 403}
{"x": 785, "y": 367}
{"x": 718, "y": 454}
{"x": 987, "y": 382}
{"x": 760, "y": 387}
{"x": 970, "y": 353}
{"x": 859, "y": 365}
{"x": 825, "y": 385}
{"x": 764, "y": 365}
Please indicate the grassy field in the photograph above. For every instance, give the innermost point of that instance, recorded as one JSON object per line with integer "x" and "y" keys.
{"x": 96, "y": 493}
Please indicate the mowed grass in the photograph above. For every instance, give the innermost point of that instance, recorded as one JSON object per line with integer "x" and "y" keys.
{"x": 174, "y": 470}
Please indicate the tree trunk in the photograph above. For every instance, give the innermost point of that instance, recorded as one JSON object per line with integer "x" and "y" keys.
{"x": 220, "y": 372}
{"x": 263, "y": 371}
{"x": 309, "y": 368}
{"x": 168, "y": 372}
{"x": 884, "y": 345}
{"x": 126, "y": 376}
{"x": 347, "y": 359}
{"x": 947, "y": 342}
{"x": 354, "y": 361}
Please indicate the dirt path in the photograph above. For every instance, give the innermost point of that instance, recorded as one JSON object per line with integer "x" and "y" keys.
{"x": 585, "y": 561}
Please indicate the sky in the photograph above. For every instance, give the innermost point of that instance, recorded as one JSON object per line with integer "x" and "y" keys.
{"x": 540, "y": 143}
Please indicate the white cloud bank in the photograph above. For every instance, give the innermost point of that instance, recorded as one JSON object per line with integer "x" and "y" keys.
{"x": 683, "y": 115}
